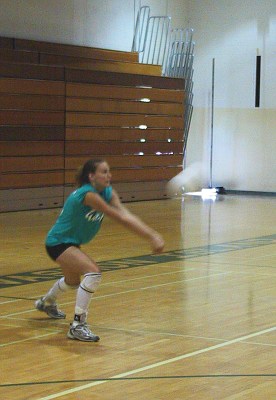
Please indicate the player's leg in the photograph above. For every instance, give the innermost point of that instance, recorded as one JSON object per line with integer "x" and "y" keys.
{"x": 48, "y": 303}
{"x": 75, "y": 263}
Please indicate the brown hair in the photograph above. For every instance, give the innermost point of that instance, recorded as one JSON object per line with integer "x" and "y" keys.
{"x": 82, "y": 175}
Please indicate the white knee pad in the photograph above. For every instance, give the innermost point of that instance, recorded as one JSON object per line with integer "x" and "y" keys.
{"x": 91, "y": 282}
{"x": 63, "y": 286}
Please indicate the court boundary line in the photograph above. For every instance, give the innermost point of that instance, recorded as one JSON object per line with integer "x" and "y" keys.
{"x": 145, "y": 332}
{"x": 180, "y": 271}
{"x": 181, "y": 336}
{"x": 128, "y": 291}
{"x": 158, "y": 364}
{"x": 218, "y": 270}
{"x": 140, "y": 378}
{"x": 218, "y": 273}
{"x": 38, "y": 276}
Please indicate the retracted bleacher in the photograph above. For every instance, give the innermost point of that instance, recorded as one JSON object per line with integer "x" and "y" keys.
{"x": 62, "y": 104}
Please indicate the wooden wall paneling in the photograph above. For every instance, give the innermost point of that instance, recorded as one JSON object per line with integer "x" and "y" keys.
{"x": 31, "y": 118}
{"x": 142, "y": 168}
{"x": 142, "y": 195}
{"x": 88, "y": 90}
{"x": 74, "y": 50}
{"x": 33, "y": 193}
{"x": 31, "y": 148}
{"x": 31, "y": 198}
{"x": 32, "y": 137}
{"x": 135, "y": 191}
{"x": 6, "y": 43}
{"x": 90, "y": 118}
{"x": 29, "y": 86}
{"x": 41, "y": 91}
{"x": 116, "y": 78}
{"x": 123, "y": 120}
{"x": 122, "y": 134}
{"x": 32, "y": 133}
{"x": 31, "y": 163}
{"x": 129, "y": 161}
{"x": 13, "y": 204}
{"x": 121, "y": 148}
{"x": 147, "y": 194}
{"x": 19, "y": 56}
{"x": 144, "y": 174}
{"x": 31, "y": 102}
{"x": 27, "y": 180}
{"x": 102, "y": 113}
{"x": 122, "y": 106}
{"x": 136, "y": 195}
{"x": 31, "y": 71}
{"x": 134, "y": 174}
{"x": 140, "y": 186}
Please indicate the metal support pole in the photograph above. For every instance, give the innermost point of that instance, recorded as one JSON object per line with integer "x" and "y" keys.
{"x": 212, "y": 125}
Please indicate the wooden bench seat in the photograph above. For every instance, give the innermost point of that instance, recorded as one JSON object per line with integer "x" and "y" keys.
{"x": 123, "y": 79}
{"x": 31, "y": 71}
{"x": 75, "y": 51}
{"x": 99, "y": 64}
{"x": 133, "y": 92}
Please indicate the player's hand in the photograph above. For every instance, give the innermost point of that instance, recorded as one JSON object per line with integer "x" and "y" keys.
{"x": 157, "y": 244}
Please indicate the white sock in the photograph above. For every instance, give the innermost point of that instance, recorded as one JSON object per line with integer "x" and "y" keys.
{"x": 56, "y": 290}
{"x": 85, "y": 292}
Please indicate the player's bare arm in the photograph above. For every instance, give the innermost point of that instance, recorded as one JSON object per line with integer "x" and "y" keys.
{"x": 121, "y": 214}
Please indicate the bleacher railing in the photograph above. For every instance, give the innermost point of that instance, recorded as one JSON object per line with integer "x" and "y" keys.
{"x": 173, "y": 49}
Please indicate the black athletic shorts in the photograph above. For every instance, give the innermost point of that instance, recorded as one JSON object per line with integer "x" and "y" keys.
{"x": 55, "y": 251}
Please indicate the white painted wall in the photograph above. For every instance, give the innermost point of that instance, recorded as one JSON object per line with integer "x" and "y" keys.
{"x": 106, "y": 23}
{"x": 98, "y": 23}
{"x": 244, "y": 144}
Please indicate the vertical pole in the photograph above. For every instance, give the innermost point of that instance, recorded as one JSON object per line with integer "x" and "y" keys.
{"x": 258, "y": 80}
{"x": 212, "y": 125}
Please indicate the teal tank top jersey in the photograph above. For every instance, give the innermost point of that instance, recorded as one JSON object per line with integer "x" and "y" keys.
{"x": 77, "y": 223}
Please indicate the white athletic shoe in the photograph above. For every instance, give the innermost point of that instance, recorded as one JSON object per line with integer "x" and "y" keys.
{"x": 81, "y": 331}
{"x": 51, "y": 309}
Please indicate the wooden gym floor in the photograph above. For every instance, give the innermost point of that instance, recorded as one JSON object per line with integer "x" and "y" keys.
{"x": 195, "y": 322}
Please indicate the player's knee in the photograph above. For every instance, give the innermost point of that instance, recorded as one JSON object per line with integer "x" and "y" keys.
{"x": 73, "y": 286}
{"x": 91, "y": 281}
{"x": 64, "y": 286}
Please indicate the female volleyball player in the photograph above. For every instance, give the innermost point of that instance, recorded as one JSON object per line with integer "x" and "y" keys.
{"x": 78, "y": 222}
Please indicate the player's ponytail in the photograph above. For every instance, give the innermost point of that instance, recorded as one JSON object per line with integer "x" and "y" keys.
{"x": 82, "y": 175}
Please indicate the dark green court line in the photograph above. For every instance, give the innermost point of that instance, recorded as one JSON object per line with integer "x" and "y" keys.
{"x": 140, "y": 378}
{"x": 30, "y": 277}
